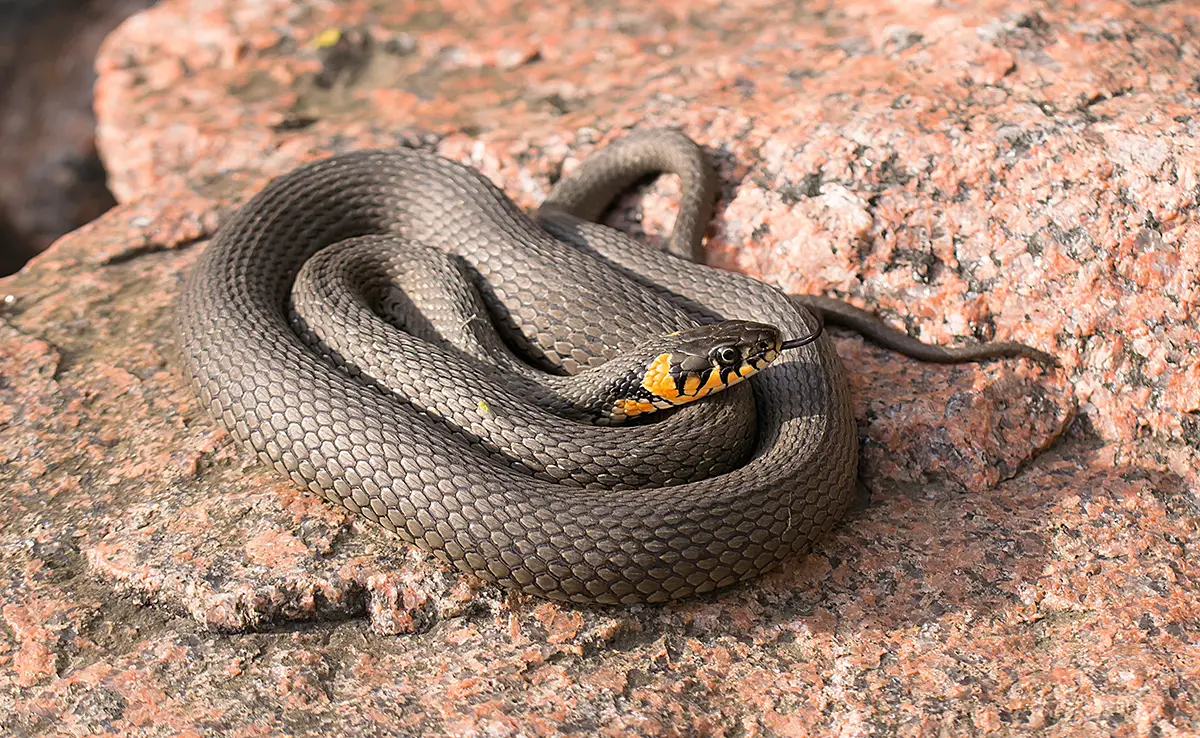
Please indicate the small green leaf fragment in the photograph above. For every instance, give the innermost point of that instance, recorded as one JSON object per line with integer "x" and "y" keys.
{"x": 328, "y": 37}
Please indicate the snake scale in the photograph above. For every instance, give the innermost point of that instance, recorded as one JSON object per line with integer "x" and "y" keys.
{"x": 428, "y": 433}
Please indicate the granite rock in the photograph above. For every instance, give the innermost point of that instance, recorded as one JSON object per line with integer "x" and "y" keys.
{"x": 1003, "y": 171}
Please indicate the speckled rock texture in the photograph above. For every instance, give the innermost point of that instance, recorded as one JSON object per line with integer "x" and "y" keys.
{"x": 51, "y": 180}
{"x": 1023, "y": 559}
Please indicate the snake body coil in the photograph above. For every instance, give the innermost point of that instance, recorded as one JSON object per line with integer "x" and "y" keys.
{"x": 475, "y": 480}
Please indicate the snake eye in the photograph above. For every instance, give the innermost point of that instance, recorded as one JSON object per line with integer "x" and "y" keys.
{"x": 726, "y": 355}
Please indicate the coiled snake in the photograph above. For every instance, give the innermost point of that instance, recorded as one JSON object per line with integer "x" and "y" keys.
{"x": 472, "y": 443}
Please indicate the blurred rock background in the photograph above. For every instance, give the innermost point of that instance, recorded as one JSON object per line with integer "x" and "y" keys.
{"x": 51, "y": 180}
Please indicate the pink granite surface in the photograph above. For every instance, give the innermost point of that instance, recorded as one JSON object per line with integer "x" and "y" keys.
{"x": 1021, "y": 171}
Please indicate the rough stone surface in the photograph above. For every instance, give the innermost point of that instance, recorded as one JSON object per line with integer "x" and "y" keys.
{"x": 1015, "y": 171}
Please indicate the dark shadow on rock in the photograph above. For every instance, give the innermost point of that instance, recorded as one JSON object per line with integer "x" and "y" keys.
{"x": 52, "y": 178}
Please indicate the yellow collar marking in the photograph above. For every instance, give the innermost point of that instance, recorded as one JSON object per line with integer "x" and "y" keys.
{"x": 658, "y": 380}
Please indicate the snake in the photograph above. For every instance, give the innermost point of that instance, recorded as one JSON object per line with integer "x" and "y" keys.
{"x": 538, "y": 400}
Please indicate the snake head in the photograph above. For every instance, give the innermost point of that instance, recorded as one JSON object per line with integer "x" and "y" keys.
{"x": 694, "y": 363}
